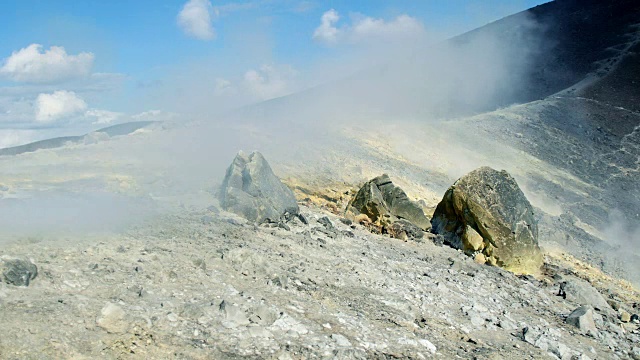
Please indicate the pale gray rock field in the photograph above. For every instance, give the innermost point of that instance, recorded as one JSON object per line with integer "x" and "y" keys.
{"x": 136, "y": 260}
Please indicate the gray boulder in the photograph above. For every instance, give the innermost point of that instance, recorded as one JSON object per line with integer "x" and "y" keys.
{"x": 486, "y": 212}
{"x": 384, "y": 203}
{"x": 582, "y": 318}
{"x": 582, "y": 293}
{"x": 251, "y": 190}
{"x": 18, "y": 272}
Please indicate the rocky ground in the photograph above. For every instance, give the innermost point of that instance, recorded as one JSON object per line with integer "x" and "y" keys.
{"x": 208, "y": 284}
{"x": 135, "y": 259}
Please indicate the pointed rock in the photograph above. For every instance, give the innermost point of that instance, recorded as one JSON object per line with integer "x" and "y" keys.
{"x": 582, "y": 318}
{"x": 251, "y": 190}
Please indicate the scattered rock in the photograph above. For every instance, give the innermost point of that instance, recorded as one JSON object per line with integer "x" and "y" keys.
{"x": 471, "y": 240}
{"x": 234, "y": 316}
{"x": 303, "y": 219}
{"x": 625, "y": 316}
{"x": 113, "y": 319}
{"x": 489, "y": 204}
{"x": 287, "y": 323}
{"x": 581, "y": 292}
{"x": 480, "y": 258}
{"x": 614, "y": 304}
{"x": 404, "y": 230}
{"x": 385, "y": 203}
{"x": 263, "y": 315}
{"x": 326, "y": 222}
{"x": 426, "y": 343}
{"x": 251, "y": 190}
{"x": 341, "y": 340}
{"x": 582, "y": 318}
{"x": 18, "y": 272}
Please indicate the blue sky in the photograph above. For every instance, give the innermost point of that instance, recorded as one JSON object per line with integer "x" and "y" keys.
{"x": 115, "y": 60}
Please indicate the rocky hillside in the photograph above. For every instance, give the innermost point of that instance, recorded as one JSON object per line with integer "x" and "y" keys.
{"x": 138, "y": 246}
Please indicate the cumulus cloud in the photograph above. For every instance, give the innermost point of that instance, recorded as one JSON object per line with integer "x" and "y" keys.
{"x": 58, "y": 105}
{"x": 269, "y": 81}
{"x": 195, "y": 19}
{"x": 327, "y": 32}
{"x": 103, "y": 116}
{"x": 365, "y": 29}
{"x": 34, "y": 65}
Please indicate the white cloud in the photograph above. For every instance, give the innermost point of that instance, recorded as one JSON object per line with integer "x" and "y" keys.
{"x": 59, "y": 104}
{"x": 195, "y": 19}
{"x": 269, "y": 82}
{"x": 31, "y": 64}
{"x": 402, "y": 26}
{"x": 147, "y": 115}
{"x": 327, "y": 32}
{"x": 103, "y": 116}
{"x": 366, "y": 29}
{"x": 223, "y": 87}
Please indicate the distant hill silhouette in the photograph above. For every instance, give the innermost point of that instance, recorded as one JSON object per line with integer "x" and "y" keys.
{"x": 114, "y": 130}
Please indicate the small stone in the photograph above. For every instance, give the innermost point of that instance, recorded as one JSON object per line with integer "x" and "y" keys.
{"x": 625, "y": 316}
{"x": 284, "y": 226}
{"x": 559, "y": 349}
{"x": 348, "y": 233}
{"x": 429, "y": 345}
{"x": 172, "y": 317}
{"x": 324, "y": 221}
{"x": 480, "y": 259}
{"x": 582, "y": 318}
{"x": 583, "y": 293}
{"x": 614, "y": 304}
{"x": 471, "y": 240}
{"x": 507, "y": 324}
{"x": 113, "y": 319}
{"x": 234, "y": 315}
{"x": 530, "y": 335}
{"x": 303, "y": 219}
{"x": 492, "y": 261}
{"x": 340, "y": 340}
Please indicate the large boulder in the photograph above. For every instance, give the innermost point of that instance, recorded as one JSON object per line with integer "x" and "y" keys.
{"x": 486, "y": 212}
{"x": 251, "y": 190}
{"x": 384, "y": 203}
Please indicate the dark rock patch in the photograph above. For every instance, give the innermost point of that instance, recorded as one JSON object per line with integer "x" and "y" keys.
{"x": 18, "y": 272}
{"x": 389, "y": 209}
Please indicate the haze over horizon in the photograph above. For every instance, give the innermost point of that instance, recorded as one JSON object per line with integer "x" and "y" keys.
{"x": 68, "y": 68}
